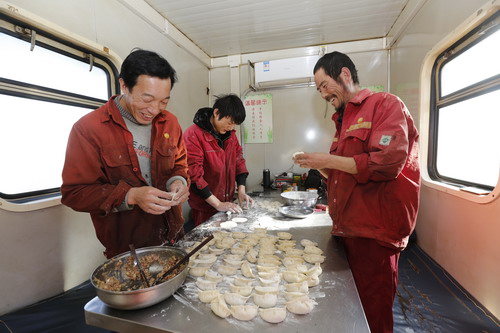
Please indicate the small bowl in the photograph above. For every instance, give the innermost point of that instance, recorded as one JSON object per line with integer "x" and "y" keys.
{"x": 144, "y": 297}
{"x": 300, "y": 198}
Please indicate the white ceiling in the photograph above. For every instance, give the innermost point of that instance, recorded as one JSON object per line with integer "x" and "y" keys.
{"x": 228, "y": 27}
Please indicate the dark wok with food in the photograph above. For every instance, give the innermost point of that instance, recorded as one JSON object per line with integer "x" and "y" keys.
{"x": 118, "y": 282}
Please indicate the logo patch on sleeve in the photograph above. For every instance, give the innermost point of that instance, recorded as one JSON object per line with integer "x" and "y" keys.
{"x": 385, "y": 140}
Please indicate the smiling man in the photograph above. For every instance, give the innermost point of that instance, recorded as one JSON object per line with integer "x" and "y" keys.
{"x": 126, "y": 162}
{"x": 373, "y": 181}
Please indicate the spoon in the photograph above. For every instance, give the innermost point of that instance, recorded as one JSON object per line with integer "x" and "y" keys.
{"x": 138, "y": 263}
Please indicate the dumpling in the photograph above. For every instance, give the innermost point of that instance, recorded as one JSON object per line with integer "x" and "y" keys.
{"x": 235, "y": 263}
{"x": 227, "y": 270}
{"x": 293, "y": 276}
{"x": 233, "y": 257}
{"x": 198, "y": 271}
{"x": 225, "y": 243}
{"x": 237, "y": 281}
{"x": 292, "y": 261}
{"x": 204, "y": 262}
{"x": 206, "y": 255}
{"x": 315, "y": 270}
{"x": 242, "y": 290}
{"x": 244, "y": 312}
{"x": 313, "y": 258}
{"x": 300, "y": 287}
{"x": 268, "y": 262}
{"x": 265, "y": 300}
{"x": 267, "y": 290}
{"x": 294, "y": 252}
{"x": 246, "y": 270}
{"x": 215, "y": 251}
{"x": 270, "y": 276}
{"x": 213, "y": 276}
{"x": 300, "y": 305}
{"x": 219, "y": 307}
{"x": 239, "y": 250}
{"x": 238, "y": 235}
{"x": 313, "y": 249}
{"x": 207, "y": 296}
{"x": 235, "y": 298}
{"x": 289, "y": 295}
{"x": 268, "y": 269}
{"x": 306, "y": 242}
{"x": 268, "y": 283}
{"x": 252, "y": 256}
{"x": 301, "y": 268}
{"x": 273, "y": 315}
{"x": 284, "y": 235}
{"x": 312, "y": 280}
{"x": 205, "y": 284}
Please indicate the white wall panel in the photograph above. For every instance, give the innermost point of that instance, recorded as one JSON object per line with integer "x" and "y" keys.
{"x": 462, "y": 236}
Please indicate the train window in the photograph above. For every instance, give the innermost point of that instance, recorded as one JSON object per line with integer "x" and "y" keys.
{"x": 464, "y": 112}
{"x": 46, "y": 84}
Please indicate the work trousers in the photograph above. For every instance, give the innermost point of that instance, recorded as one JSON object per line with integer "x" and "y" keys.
{"x": 375, "y": 271}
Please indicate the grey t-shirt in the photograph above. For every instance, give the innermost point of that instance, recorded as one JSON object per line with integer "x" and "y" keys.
{"x": 141, "y": 140}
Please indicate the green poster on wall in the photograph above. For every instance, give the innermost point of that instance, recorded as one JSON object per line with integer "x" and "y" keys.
{"x": 258, "y": 125}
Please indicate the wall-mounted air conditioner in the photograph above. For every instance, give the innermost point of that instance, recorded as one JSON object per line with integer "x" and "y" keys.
{"x": 282, "y": 72}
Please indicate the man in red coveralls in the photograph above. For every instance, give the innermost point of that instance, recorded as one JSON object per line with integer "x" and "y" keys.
{"x": 215, "y": 158}
{"x": 126, "y": 162}
{"x": 373, "y": 179}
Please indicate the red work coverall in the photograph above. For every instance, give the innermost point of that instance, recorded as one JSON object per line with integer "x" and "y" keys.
{"x": 101, "y": 166}
{"x": 212, "y": 166}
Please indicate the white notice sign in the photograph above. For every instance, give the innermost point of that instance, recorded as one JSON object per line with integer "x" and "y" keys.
{"x": 258, "y": 125}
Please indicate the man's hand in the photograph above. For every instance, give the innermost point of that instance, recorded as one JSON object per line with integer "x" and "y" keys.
{"x": 150, "y": 199}
{"x": 324, "y": 161}
{"x": 179, "y": 192}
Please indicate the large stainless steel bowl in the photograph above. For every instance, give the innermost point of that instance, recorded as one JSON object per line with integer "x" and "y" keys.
{"x": 140, "y": 298}
{"x": 300, "y": 198}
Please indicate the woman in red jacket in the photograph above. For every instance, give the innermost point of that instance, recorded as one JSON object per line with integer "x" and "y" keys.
{"x": 215, "y": 159}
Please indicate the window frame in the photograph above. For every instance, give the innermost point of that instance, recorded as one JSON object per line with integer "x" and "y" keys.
{"x": 430, "y": 100}
{"x": 19, "y": 24}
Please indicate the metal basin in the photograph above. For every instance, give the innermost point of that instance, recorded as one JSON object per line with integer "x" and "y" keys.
{"x": 300, "y": 198}
{"x": 142, "y": 297}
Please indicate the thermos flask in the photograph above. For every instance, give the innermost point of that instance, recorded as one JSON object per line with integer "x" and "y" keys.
{"x": 266, "y": 176}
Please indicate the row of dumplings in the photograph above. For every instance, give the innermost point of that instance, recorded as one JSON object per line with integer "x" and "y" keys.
{"x": 256, "y": 264}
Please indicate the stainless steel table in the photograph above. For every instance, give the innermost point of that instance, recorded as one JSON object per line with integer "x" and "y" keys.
{"x": 338, "y": 306}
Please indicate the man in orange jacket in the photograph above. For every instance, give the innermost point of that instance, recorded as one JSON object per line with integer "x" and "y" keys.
{"x": 126, "y": 162}
{"x": 373, "y": 181}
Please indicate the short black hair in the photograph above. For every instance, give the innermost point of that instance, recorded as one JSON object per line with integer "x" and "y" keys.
{"x": 230, "y": 106}
{"x": 332, "y": 63}
{"x": 143, "y": 62}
